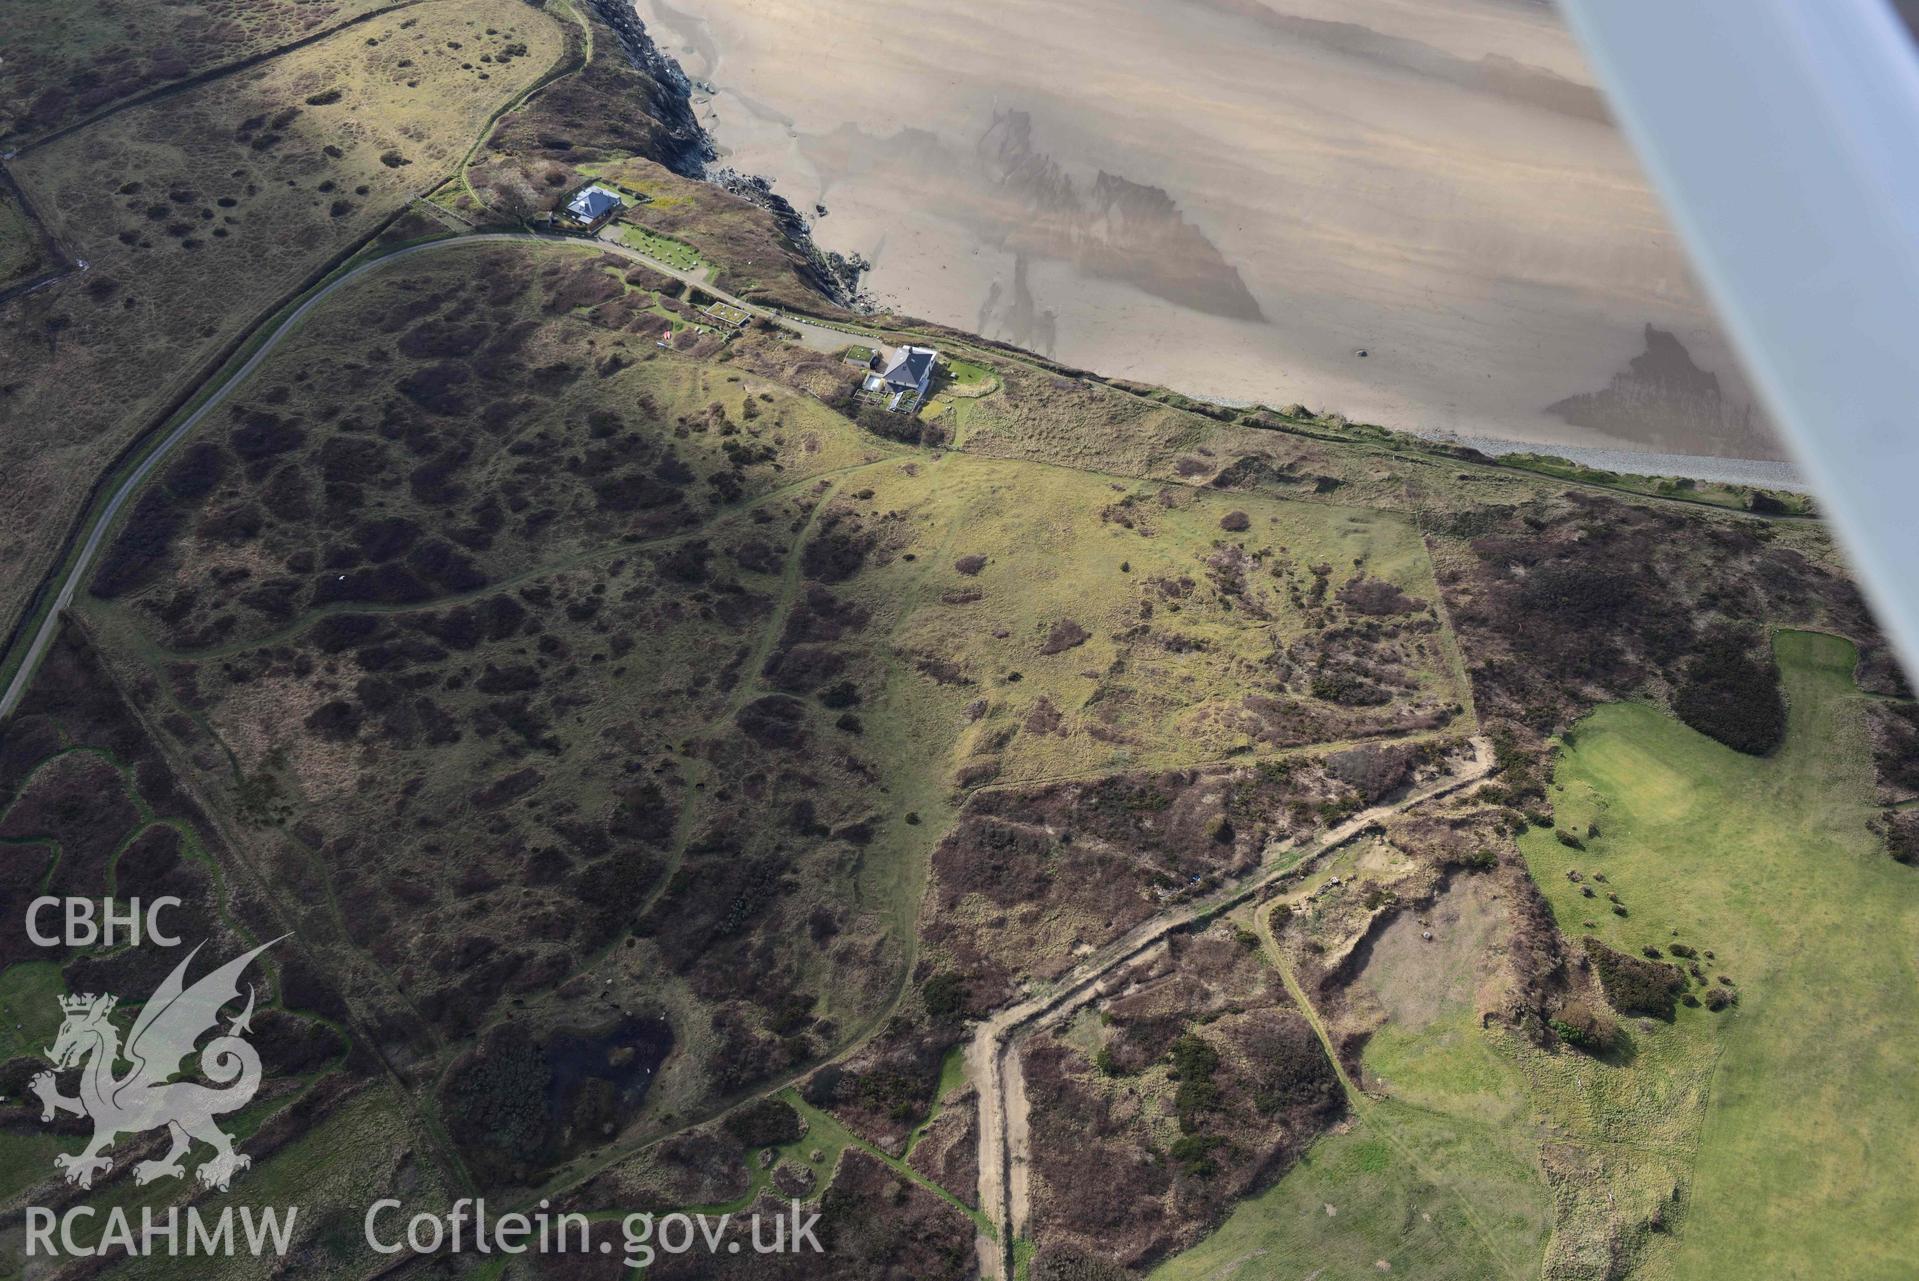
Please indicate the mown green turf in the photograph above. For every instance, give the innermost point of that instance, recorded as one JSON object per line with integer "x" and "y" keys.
{"x": 1452, "y": 1066}
{"x": 964, "y": 378}
{"x": 1439, "y": 1180}
{"x": 1811, "y": 1122}
{"x": 673, "y": 253}
{"x": 1786, "y": 1126}
{"x": 1367, "y": 1195}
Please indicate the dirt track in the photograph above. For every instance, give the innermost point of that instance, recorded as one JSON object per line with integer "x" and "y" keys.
{"x": 992, "y": 1057}
{"x": 41, "y": 635}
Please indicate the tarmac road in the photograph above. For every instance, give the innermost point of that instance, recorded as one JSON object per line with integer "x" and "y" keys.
{"x": 819, "y": 337}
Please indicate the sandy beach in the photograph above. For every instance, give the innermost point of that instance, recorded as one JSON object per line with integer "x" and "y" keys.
{"x": 1415, "y": 212}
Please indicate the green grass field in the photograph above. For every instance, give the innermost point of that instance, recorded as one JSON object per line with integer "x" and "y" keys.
{"x": 1442, "y": 1179}
{"x": 1811, "y": 1118}
{"x": 964, "y": 378}
{"x": 1400, "y": 1186}
{"x": 1784, "y": 1126}
{"x": 1052, "y": 554}
{"x": 674, "y": 253}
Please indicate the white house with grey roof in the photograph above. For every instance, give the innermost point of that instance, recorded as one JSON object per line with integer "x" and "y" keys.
{"x": 902, "y": 376}
{"x": 593, "y": 205}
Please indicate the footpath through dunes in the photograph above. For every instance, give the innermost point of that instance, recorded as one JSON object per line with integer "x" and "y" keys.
{"x": 689, "y": 668}
{"x": 31, "y": 646}
{"x": 993, "y": 1053}
{"x": 72, "y": 61}
{"x": 1765, "y": 1137}
{"x": 201, "y": 212}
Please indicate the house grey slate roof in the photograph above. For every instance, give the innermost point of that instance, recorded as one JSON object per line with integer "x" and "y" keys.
{"x": 910, "y": 368}
{"x": 592, "y": 203}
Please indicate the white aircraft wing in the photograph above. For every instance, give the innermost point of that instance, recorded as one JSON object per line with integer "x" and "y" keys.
{"x": 1784, "y": 137}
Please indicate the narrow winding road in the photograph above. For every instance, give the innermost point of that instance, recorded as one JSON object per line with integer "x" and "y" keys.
{"x": 992, "y": 1057}
{"x": 819, "y": 337}
{"x": 993, "y": 1054}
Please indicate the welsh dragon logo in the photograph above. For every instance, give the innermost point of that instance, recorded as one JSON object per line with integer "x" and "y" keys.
{"x": 146, "y": 1097}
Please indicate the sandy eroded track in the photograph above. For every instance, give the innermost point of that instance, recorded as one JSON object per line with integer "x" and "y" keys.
{"x": 992, "y": 1057}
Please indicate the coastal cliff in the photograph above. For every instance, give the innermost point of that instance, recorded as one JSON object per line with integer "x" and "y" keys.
{"x": 683, "y": 145}
{"x": 623, "y": 111}
{"x": 668, "y": 97}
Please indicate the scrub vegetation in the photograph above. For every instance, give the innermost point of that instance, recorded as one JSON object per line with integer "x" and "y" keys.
{"x": 23, "y": 247}
{"x": 1755, "y": 878}
{"x": 662, "y": 763}
{"x": 199, "y": 213}
{"x": 70, "y": 60}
